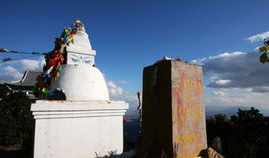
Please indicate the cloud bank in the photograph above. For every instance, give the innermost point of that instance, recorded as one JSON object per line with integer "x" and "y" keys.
{"x": 236, "y": 79}
{"x": 14, "y": 70}
{"x": 258, "y": 37}
{"x": 236, "y": 70}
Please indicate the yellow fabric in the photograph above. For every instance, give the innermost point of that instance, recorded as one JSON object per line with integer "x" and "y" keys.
{"x": 264, "y": 48}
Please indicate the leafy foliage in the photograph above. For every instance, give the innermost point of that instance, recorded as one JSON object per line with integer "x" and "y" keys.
{"x": 16, "y": 121}
{"x": 243, "y": 135}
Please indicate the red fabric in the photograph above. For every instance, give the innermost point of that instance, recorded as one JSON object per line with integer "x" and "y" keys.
{"x": 55, "y": 59}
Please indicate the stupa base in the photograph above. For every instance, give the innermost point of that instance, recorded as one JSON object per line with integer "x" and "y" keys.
{"x": 66, "y": 129}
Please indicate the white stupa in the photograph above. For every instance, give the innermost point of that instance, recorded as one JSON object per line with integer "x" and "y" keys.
{"x": 80, "y": 79}
{"x": 87, "y": 123}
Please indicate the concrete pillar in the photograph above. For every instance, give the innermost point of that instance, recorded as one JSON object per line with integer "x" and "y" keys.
{"x": 173, "y": 113}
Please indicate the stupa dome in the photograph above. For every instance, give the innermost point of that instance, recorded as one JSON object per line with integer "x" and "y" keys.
{"x": 81, "y": 82}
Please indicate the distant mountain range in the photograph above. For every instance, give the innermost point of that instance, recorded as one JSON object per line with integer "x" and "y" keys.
{"x": 213, "y": 110}
{"x": 231, "y": 110}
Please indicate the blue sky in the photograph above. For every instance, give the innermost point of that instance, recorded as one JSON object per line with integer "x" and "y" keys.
{"x": 129, "y": 35}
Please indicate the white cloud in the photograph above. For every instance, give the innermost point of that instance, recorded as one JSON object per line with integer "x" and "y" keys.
{"x": 118, "y": 93}
{"x": 14, "y": 70}
{"x": 28, "y": 64}
{"x": 10, "y": 72}
{"x": 258, "y": 37}
{"x": 222, "y": 82}
{"x": 114, "y": 89}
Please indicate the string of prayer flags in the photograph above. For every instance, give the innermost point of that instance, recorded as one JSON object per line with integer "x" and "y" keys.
{"x": 4, "y": 50}
{"x": 56, "y": 58}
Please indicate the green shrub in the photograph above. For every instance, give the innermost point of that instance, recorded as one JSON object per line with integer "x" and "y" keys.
{"x": 16, "y": 121}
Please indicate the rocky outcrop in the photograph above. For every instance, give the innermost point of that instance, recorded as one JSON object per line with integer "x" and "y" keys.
{"x": 211, "y": 153}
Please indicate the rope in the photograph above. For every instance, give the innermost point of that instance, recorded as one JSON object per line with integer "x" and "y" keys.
{"x": 3, "y": 50}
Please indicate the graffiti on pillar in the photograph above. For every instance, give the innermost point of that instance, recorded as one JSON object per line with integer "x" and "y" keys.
{"x": 188, "y": 114}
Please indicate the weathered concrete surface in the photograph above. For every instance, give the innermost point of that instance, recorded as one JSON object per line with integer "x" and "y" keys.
{"x": 188, "y": 114}
{"x": 173, "y": 112}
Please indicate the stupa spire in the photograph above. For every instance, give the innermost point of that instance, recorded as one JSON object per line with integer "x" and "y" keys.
{"x": 80, "y": 51}
{"x": 78, "y": 25}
